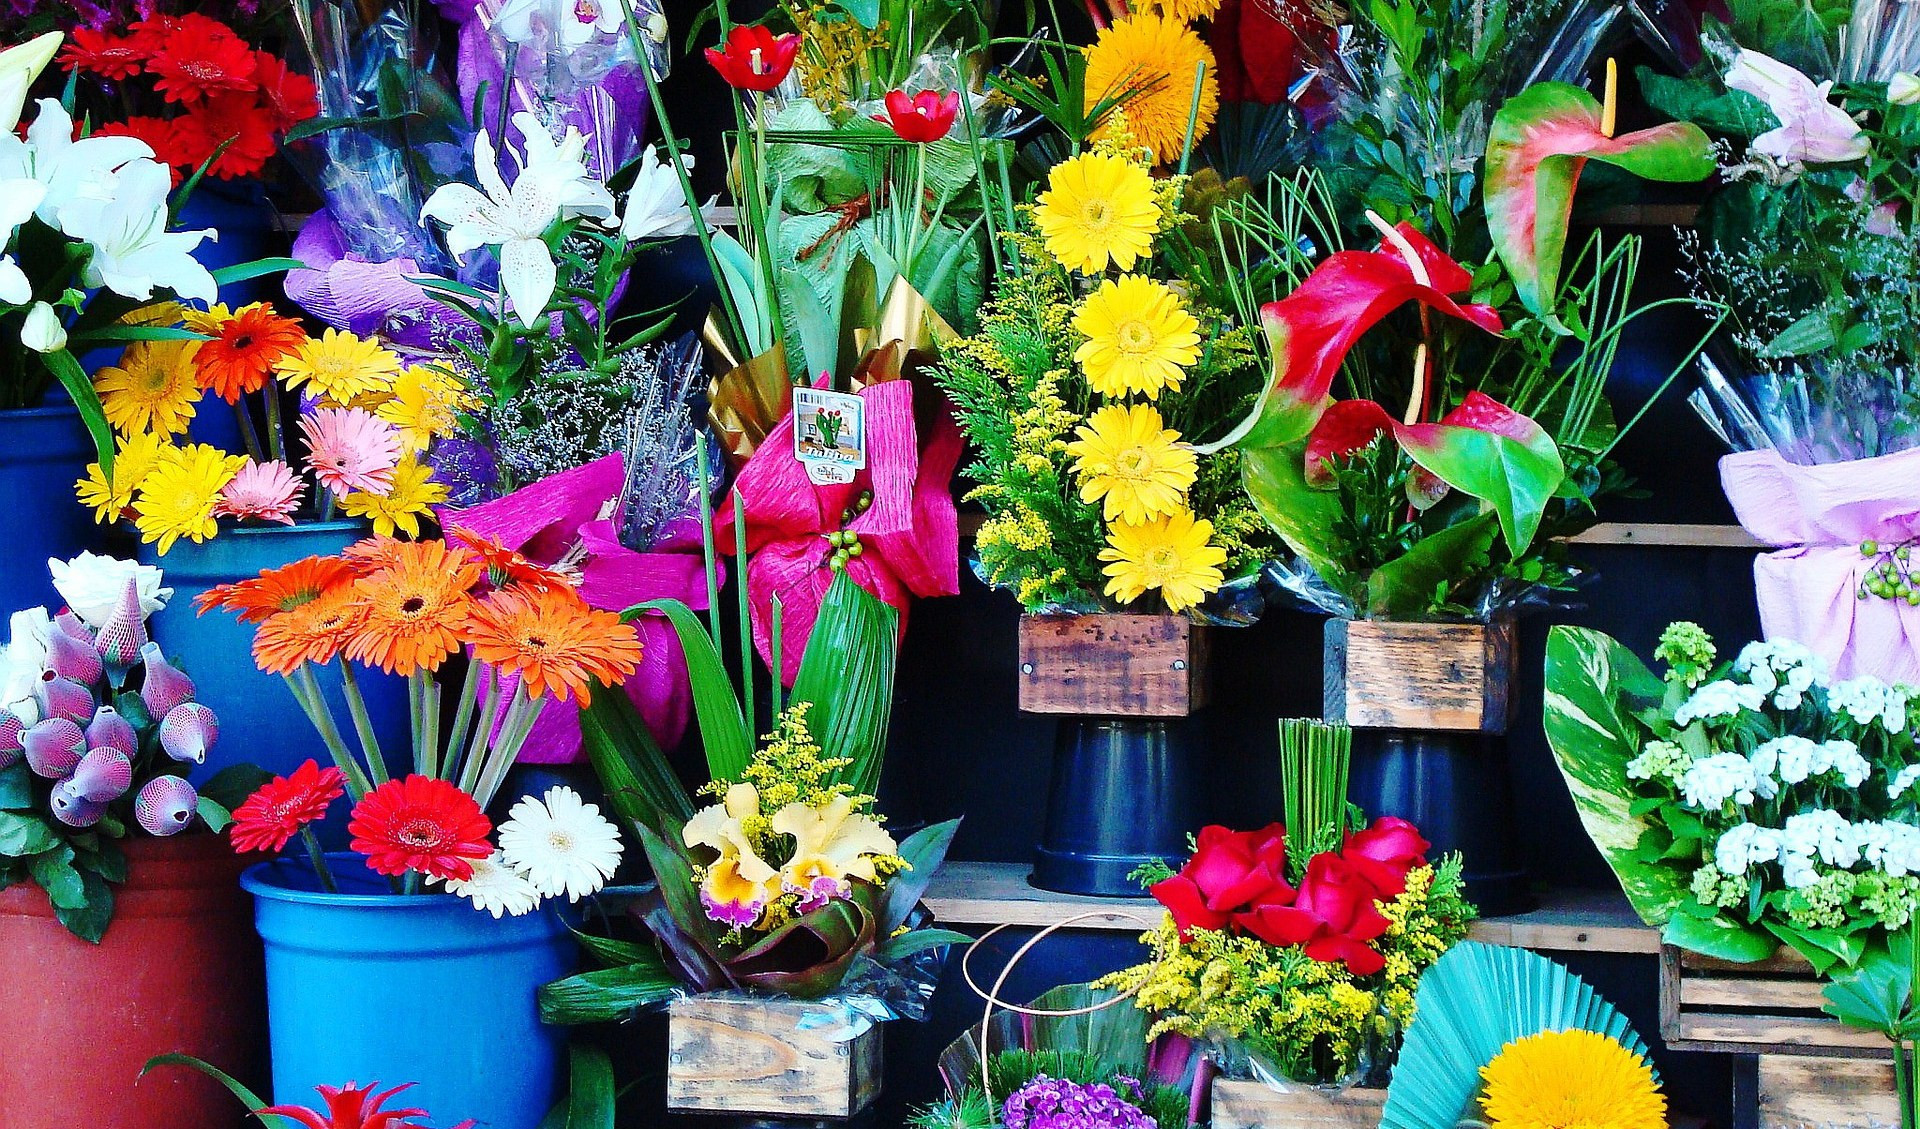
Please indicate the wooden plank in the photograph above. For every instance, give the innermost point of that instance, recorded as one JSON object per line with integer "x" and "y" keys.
{"x": 1783, "y": 960}
{"x": 1775, "y": 1032}
{"x": 984, "y": 894}
{"x": 1796, "y": 1091}
{"x": 1668, "y": 535}
{"x": 1254, "y": 1105}
{"x": 738, "y": 1054}
{"x": 1770, "y": 995}
{"x": 1382, "y": 674}
{"x": 1112, "y": 665}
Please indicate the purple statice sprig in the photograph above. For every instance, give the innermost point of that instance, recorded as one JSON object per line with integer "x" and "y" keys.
{"x": 1054, "y": 1103}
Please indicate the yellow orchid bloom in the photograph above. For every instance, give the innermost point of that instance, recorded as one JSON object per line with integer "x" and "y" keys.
{"x": 832, "y": 845}
{"x": 740, "y": 883}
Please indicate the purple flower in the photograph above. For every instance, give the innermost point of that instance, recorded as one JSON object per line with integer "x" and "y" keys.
{"x": 1052, "y": 1103}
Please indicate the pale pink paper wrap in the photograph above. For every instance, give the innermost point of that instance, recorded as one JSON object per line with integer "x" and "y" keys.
{"x": 1808, "y": 588}
{"x": 551, "y": 516}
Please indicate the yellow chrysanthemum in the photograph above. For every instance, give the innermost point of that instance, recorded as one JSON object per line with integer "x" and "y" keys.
{"x": 1186, "y": 11}
{"x": 414, "y": 493}
{"x": 153, "y": 388}
{"x": 1140, "y": 337}
{"x": 1156, "y": 57}
{"x": 339, "y": 367}
{"x": 426, "y": 403}
{"x": 1098, "y": 208}
{"x": 133, "y": 459}
{"x": 1126, "y": 455}
{"x": 1573, "y": 1079}
{"x": 1173, "y": 554}
{"x": 178, "y": 496}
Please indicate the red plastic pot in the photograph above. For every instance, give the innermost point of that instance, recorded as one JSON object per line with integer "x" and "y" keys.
{"x": 178, "y": 970}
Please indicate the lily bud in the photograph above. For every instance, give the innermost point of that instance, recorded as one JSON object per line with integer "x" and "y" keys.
{"x": 43, "y": 332}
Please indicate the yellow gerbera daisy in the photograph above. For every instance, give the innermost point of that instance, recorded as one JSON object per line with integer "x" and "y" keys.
{"x": 1098, "y": 207}
{"x": 153, "y": 388}
{"x": 133, "y": 459}
{"x": 1156, "y": 57}
{"x": 413, "y": 494}
{"x": 177, "y": 498}
{"x": 1574, "y": 1078}
{"x": 1140, "y": 338}
{"x": 1126, "y": 455}
{"x": 1174, "y": 554}
{"x": 339, "y": 366}
{"x": 426, "y": 403}
{"x": 207, "y": 321}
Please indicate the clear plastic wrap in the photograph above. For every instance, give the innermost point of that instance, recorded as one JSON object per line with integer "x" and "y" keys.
{"x": 1297, "y": 585}
{"x": 1810, "y": 413}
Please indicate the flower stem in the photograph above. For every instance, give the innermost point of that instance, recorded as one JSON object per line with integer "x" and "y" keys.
{"x": 276, "y": 428}
{"x": 428, "y": 763}
{"x": 319, "y": 860}
{"x": 363, "y": 724}
{"x": 462, "y": 715}
{"x": 517, "y": 722}
{"x": 740, "y": 585}
{"x": 482, "y": 737}
{"x": 306, "y": 691}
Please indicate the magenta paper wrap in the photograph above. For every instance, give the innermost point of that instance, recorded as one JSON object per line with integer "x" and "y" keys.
{"x": 1808, "y": 588}
{"x": 561, "y": 516}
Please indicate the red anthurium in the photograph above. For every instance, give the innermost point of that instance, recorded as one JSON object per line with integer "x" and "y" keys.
{"x": 1385, "y": 852}
{"x": 1334, "y": 916}
{"x": 354, "y": 1107}
{"x": 1313, "y": 328}
{"x": 755, "y": 58}
{"x": 908, "y": 532}
{"x": 1231, "y": 873}
{"x": 922, "y": 117}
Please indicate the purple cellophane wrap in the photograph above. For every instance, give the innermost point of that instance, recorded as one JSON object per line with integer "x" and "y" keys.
{"x": 1808, "y": 587}
{"x": 350, "y": 293}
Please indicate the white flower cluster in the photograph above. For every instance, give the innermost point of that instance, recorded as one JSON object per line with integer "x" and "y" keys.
{"x": 1660, "y": 760}
{"x": 1819, "y": 837}
{"x": 1713, "y": 781}
{"x": 1902, "y": 781}
{"x": 1792, "y": 759}
{"x": 1867, "y": 700}
{"x": 1785, "y": 670}
{"x": 1722, "y": 698}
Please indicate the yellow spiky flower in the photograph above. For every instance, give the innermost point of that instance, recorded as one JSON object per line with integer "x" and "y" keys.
{"x": 153, "y": 388}
{"x": 1125, "y": 456}
{"x": 1572, "y": 1079}
{"x": 1140, "y": 338}
{"x": 1151, "y": 60}
{"x": 178, "y": 498}
{"x": 1174, "y": 554}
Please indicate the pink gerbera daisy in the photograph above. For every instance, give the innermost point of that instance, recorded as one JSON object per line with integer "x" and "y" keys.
{"x": 351, "y": 449}
{"x": 263, "y": 492}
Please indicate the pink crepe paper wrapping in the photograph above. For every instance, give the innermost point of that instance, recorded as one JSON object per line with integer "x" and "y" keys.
{"x": 1808, "y": 588}
{"x": 545, "y": 520}
{"x": 910, "y": 535}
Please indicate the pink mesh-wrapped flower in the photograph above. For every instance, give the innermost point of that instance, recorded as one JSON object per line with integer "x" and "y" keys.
{"x": 351, "y": 449}
{"x": 263, "y": 492}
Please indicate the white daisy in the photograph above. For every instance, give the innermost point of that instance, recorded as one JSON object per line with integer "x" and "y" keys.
{"x": 497, "y": 888}
{"x": 563, "y": 845}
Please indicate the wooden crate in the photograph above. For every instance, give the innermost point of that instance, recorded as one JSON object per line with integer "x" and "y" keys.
{"x": 1254, "y": 1105}
{"x": 745, "y": 1055}
{"x": 1768, "y": 1007}
{"x": 1386, "y": 675}
{"x": 1796, "y": 1090}
{"x": 1112, "y": 665}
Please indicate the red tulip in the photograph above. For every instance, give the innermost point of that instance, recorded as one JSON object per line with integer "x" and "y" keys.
{"x": 1334, "y": 917}
{"x": 755, "y": 58}
{"x": 1230, "y": 874}
{"x": 922, "y": 117}
{"x": 1384, "y": 852}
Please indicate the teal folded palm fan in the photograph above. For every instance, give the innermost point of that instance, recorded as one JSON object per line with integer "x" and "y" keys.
{"x": 1474, "y": 1001}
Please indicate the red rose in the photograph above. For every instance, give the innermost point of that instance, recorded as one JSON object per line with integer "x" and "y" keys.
{"x": 1230, "y": 873}
{"x": 1385, "y": 852}
{"x": 1334, "y": 916}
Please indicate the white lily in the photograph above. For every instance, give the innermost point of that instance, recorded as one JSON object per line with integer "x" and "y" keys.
{"x": 42, "y": 331}
{"x": 19, "y": 66}
{"x": 1812, "y": 129}
{"x": 575, "y": 23}
{"x": 554, "y": 184}
{"x": 656, "y": 205}
{"x": 68, "y": 171}
{"x": 19, "y": 196}
{"x": 133, "y": 252}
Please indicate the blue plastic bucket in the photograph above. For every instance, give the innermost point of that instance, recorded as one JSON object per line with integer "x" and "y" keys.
{"x": 368, "y": 986}
{"x": 43, "y": 452}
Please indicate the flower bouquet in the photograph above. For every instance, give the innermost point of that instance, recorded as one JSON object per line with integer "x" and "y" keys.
{"x": 1809, "y": 245}
{"x": 525, "y": 638}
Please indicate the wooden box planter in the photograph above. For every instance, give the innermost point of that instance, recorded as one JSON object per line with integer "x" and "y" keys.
{"x": 1254, "y": 1105}
{"x": 1382, "y": 674}
{"x": 1112, "y": 665}
{"x": 746, "y": 1055}
{"x": 1768, "y": 1007}
{"x": 1792, "y": 1091}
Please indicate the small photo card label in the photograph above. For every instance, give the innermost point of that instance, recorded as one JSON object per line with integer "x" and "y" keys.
{"x": 829, "y": 434}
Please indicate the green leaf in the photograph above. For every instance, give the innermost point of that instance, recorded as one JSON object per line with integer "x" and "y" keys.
{"x": 590, "y": 1089}
{"x": 53, "y": 871}
{"x": 847, "y": 676}
{"x": 1593, "y": 687}
{"x": 614, "y": 953}
{"x": 88, "y": 921}
{"x": 723, "y": 727}
{"x": 1823, "y": 948}
{"x": 640, "y": 785}
{"x": 1305, "y": 518}
{"x": 673, "y": 872}
{"x": 259, "y": 268}
{"x": 215, "y": 815}
{"x": 80, "y": 389}
{"x": 924, "y": 851}
{"x": 608, "y": 995}
{"x": 1517, "y": 478}
{"x": 231, "y": 786}
{"x": 1403, "y": 587}
{"x": 25, "y": 834}
{"x": 1812, "y": 333}
{"x": 239, "y": 1090}
{"x": 137, "y": 333}
{"x": 1877, "y": 993}
{"x": 16, "y": 787}
{"x": 1719, "y": 938}
{"x": 920, "y": 940}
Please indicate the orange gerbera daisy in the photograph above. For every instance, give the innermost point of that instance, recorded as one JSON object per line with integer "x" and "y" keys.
{"x": 277, "y": 589}
{"x": 553, "y": 641}
{"x": 508, "y": 569}
{"x": 416, "y": 608}
{"x": 244, "y": 350}
{"x": 314, "y": 632}
{"x": 371, "y": 554}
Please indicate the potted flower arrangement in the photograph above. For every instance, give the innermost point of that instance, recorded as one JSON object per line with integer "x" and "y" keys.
{"x": 1750, "y": 806}
{"x": 1808, "y": 244}
{"x": 107, "y": 859}
{"x": 430, "y": 881}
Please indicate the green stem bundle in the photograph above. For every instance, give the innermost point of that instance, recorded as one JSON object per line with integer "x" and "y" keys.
{"x": 1315, "y": 760}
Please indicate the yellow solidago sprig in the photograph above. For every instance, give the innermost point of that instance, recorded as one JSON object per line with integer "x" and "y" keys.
{"x": 1571, "y": 1078}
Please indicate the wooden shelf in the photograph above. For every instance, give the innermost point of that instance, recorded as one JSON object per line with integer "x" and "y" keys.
{"x": 1668, "y": 535}
{"x": 985, "y": 894}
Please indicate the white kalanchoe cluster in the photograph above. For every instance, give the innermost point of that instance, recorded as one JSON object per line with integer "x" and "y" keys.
{"x": 1713, "y": 781}
{"x": 1745, "y": 847}
{"x": 1902, "y": 780}
{"x": 1719, "y": 699}
{"x": 1867, "y": 700}
{"x": 1783, "y": 669}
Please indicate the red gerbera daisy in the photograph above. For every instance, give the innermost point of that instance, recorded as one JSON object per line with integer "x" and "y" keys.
{"x": 420, "y": 823}
{"x": 179, "y": 143}
{"x": 150, "y": 34}
{"x": 289, "y": 96}
{"x": 243, "y": 125}
{"x": 243, "y": 352}
{"x": 112, "y": 57}
{"x": 278, "y": 809}
{"x": 200, "y": 57}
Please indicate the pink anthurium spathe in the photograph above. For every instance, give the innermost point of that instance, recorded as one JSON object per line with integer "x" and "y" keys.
{"x": 899, "y": 512}
{"x": 1540, "y": 140}
{"x": 1312, "y": 329}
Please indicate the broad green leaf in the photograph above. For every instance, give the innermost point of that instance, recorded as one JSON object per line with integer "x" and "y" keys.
{"x": 53, "y": 871}
{"x": 215, "y": 815}
{"x": 1719, "y": 938}
{"x": 639, "y": 783}
{"x": 1812, "y": 333}
{"x": 1593, "y": 687}
{"x": 924, "y": 851}
{"x": 1877, "y": 993}
{"x": 615, "y": 954}
{"x": 79, "y": 388}
{"x": 88, "y": 921}
{"x": 918, "y": 941}
{"x": 16, "y": 787}
{"x": 847, "y": 675}
{"x": 1305, "y": 518}
{"x": 590, "y": 1088}
{"x": 723, "y": 727}
{"x": 1823, "y": 948}
{"x": 1403, "y": 588}
{"x": 673, "y": 873}
{"x": 608, "y": 995}
{"x": 231, "y": 786}
{"x": 25, "y": 834}
{"x": 1517, "y": 478}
